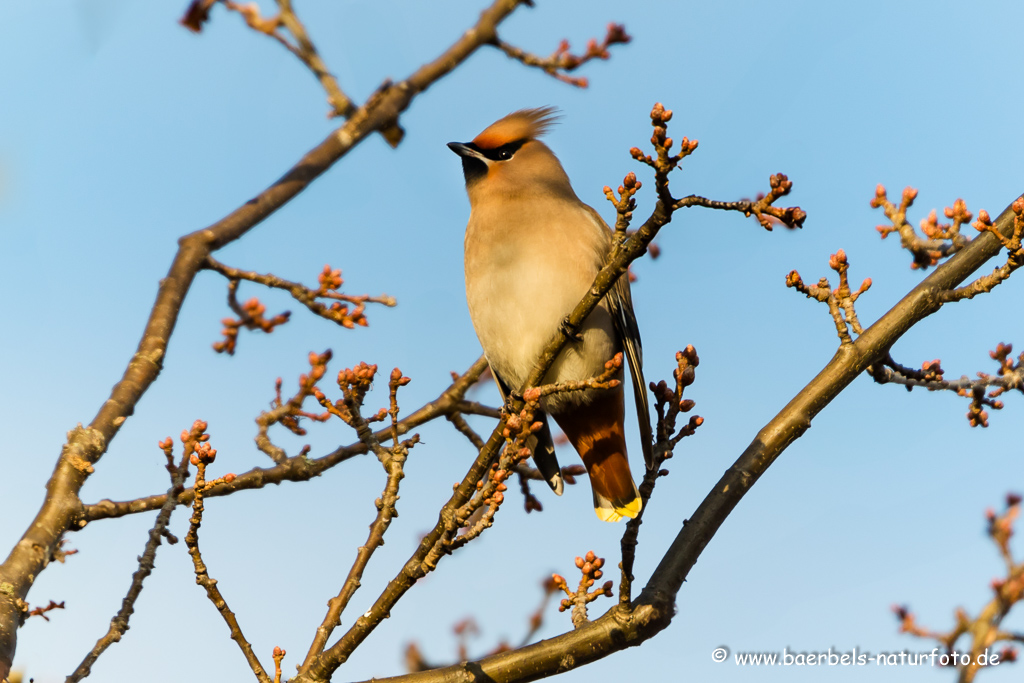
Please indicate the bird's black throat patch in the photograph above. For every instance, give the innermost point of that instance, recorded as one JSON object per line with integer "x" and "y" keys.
{"x": 473, "y": 168}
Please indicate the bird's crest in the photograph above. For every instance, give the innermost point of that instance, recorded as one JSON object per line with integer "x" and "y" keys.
{"x": 525, "y": 124}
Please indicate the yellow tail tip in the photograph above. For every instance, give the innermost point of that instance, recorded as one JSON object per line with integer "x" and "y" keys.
{"x": 614, "y": 514}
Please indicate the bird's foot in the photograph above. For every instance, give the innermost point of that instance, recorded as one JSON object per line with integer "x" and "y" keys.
{"x": 569, "y": 333}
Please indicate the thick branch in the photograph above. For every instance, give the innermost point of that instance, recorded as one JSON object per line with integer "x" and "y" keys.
{"x": 850, "y": 360}
{"x": 62, "y": 506}
{"x": 626, "y": 626}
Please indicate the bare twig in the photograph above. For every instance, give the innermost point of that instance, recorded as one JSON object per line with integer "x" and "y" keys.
{"x": 304, "y": 49}
{"x": 198, "y": 13}
{"x": 415, "y": 661}
{"x": 202, "y": 456}
{"x": 463, "y": 428}
{"x": 119, "y": 624}
{"x": 1014, "y": 259}
{"x": 561, "y": 61}
{"x": 590, "y": 571}
{"x": 62, "y": 507}
{"x": 840, "y": 301}
{"x": 41, "y": 611}
{"x": 940, "y": 240}
{"x": 295, "y": 468}
{"x": 474, "y": 408}
{"x": 670, "y": 403}
{"x": 250, "y": 316}
{"x": 354, "y": 384}
{"x": 330, "y": 282}
{"x": 288, "y": 413}
{"x": 1010, "y": 376}
{"x": 985, "y": 630}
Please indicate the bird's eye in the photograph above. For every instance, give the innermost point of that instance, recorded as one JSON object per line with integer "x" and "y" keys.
{"x": 504, "y": 154}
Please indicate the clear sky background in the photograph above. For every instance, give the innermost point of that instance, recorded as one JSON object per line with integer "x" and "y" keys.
{"x": 121, "y": 131}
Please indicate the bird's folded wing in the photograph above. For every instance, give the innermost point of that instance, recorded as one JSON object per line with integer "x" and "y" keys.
{"x": 625, "y": 323}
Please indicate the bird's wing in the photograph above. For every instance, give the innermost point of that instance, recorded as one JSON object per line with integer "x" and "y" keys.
{"x": 544, "y": 451}
{"x": 621, "y": 304}
{"x": 625, "y": 324}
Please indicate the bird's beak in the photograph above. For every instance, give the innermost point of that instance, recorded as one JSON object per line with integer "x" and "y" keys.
{"x": 463, "y": 150}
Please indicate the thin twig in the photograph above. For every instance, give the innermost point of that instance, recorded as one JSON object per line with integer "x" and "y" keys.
{"x": 295, "y": 468}
{"x": 561, "y": 61}
{"x": 840, "y": 301}
{"x": 330, "y": 281}
{"x": 288, "y": 413}
{"x": 119, "y": 624}
{"x": 1014, "y": 260}
{"x": 984, "y": 631}
{"x": 393, "y": 460}
{"x": 982, "y": 391}
{"x": 940, "y": 240}
{"x": 202, "y": 458}
{"x": 340, "y": 103}
{"x": 670, "y": 403}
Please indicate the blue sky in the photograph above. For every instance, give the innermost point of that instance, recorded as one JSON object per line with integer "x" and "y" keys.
{"x": 121, "y": 131}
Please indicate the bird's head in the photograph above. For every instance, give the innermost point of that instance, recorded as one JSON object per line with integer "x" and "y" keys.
{"x": 508, "y": 159}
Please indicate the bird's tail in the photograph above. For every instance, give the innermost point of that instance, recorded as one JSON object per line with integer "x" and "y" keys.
{"x": 597, "y": 432}
{"x": 615, "y": 494}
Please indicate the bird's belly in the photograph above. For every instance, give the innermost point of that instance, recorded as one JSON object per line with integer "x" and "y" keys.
{"x": 517, "y": 305}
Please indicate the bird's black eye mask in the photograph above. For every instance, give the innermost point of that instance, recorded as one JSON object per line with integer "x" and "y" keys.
{"x": 503, "y": 153}
{"x": 475, "y": 168}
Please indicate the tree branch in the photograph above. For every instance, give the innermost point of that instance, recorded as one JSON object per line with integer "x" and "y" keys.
{"x": 62, "y": 507}
{"x": 295, "y": 468}
{"x": 393, "y": 460}
{"x": 630, "y": 625}
{"x": 203, "y": 456}
{"x": 119, "y": 624}
{"x": 438, "y": 542}
{"x": 330, "y": 281}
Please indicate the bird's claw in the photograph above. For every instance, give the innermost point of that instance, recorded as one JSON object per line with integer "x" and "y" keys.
{"x": 568, "y": 331}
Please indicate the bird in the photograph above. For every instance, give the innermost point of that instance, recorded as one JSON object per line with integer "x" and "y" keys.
{"x": 532, "y": 250}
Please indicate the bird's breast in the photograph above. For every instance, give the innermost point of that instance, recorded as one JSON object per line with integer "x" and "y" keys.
{"x": 526, "y": 269}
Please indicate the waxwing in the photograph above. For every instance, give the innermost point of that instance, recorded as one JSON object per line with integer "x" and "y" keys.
{"x": 532, "y": 250}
